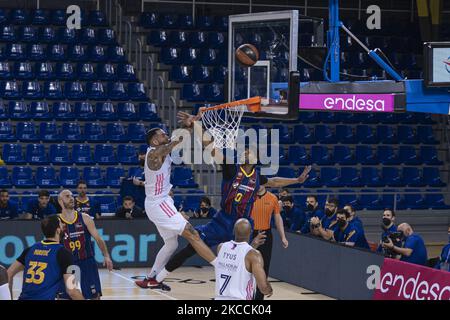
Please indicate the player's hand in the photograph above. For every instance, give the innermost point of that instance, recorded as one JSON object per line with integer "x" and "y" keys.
{"x": 259, "y": 239}
{"x": 271, "y": 292}
{"x": 186, "y": 119}
{"x": 136, "y": 181}
{"x": 305, "y": 175}
{"x": 315, "y": 220}
{"x": 285, "y": 243}
{"x": 108, "y": 263}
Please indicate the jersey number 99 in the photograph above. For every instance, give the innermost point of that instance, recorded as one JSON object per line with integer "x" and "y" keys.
{"x": 238, "y": 197}
{"x": 75, "y": 245}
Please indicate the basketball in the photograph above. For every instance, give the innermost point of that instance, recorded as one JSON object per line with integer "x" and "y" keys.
{"x": 247, "y": 54}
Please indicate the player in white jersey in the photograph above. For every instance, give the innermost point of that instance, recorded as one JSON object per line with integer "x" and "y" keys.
{"x": 240, "y": 268}
{"x": 160, "y": 208}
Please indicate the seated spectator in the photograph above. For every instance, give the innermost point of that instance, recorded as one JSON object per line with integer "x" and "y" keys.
{"x": 205, "y": 210}
{"x": 283, "y": 193}
{"x": 39, "y": 208}
{"x": 84, "y": 204}
{"x": 134, "y": 186}
{"x": 413, "y": 249}
{"x": 312, "y": 210}
{"x": 8, "y": 208}
{"x": 129, "y": 210}
{"x": 293, "y": 216}
{"x": 348, "y": 233}
{"x": 388, "y": 226}
{"x": 356, "y": 221}
{"x": 324, "y": 227}
{"x": 444, "y": 258}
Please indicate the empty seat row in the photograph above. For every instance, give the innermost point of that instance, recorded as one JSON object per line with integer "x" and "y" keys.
{"x": 200, "y": 74}
{"x": 103, "y": 111}
{"x": 365, "y": 155}
{"x": 60, "y": 52}
{"x": 66, "y": 71}
{"x": 152, "y": 20}
{"x": 193, "y": 56}
{"x": 194, "y": 39}
{"x": 362, "y": 60}
{"x": 73, "y": 90}
{"x": 45, "y": 17}
{"x": 71, "y": 132}
{"x": 95, "y": 177}
{"x": 198, "y": 92}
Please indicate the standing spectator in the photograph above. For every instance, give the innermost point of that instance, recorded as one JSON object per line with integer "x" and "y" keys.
{"x": 324, "y": 227}
{"x": 348, "y": 233}
{"x": 413, "y": 250}
{"x": 265, "y": 206}
{"x": 356, "y": 221}
{"x": 388, "y": 226}
{"x": 444, "y": 258}
{"x": 205, "y": 210}
{"x": 84, "y": 204}
{"x": 8, "y": 208}
{"x": 129, "y": 210}
{"x": 40, "y": 208}
{"x": 293, "y": 216}
{"x": 312, "y": 210}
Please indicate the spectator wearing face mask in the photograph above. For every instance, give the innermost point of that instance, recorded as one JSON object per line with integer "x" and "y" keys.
{"x": 41, "y": 207}
{"x": 444, "y": 259}
{"x": 413, "y": 249}
{"x": 205, "y": 210}
{"x": 356, "y": 221}
{"x": 129, "y": 210}
{"x": 312, "y": 210}
{"x": 324, "y": 227}
{"x": 388, "y": 226}
{"x": 348, "y": 233}
{"x": 293, "y": 216}
{"x": 282, "y": 194}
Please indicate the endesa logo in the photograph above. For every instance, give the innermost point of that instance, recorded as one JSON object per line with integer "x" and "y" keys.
{"x": 353, "y": 103}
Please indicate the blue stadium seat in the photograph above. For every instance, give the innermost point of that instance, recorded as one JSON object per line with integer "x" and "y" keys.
{"x": 10, "y": 90}
{"x": 387, "y": 156}
{"x": 158, "y": 38}
{"x": 169, "y": 21}
{"x": 298, "y": 155}
{"x": 29, "y": 34}
{"x": 32, "y": 90}
{"x": 205, "y": 22}
{"x": 5, "y": 71}
{"x": 433, "y": 200}
{"x": 47, "y": 35}
{"x": 68, "y": 36}
{"x": 135, "y": 172}
{"x": 95, "y": 91}
{"x": 192, "y": 92}
{"x": 344, "y": 155}
{"x": 219, "y": 74}
{"x": 370, "y": 201}
{"x": 106, "y": 36}
{"x": 217, "y": 40}
{"x": 53, "y": 90}
{"x": 391, "y": 177}
{"x": 221, "y": 23}
{"x": 127, "y": 111}
{"x": 97, "y": 54}
{"x": 59, "y": 154}
{"x": 324, "y": 134}
{"x": 81, "y": 154}
{"x": 330, "y": 177}
{"x": 320, "y": 155}
{"x": 19, "y": 16}
{"x": 8, "y": 34}
{"x": 407, "y": 155}
{"x": 18, "y": 110}
{"x": 116, "y": 91}
{"x": 63, "y": 111}
{"x": 179, "y": 39}
{"x": 283, "y": 131}
{"x": 328, "y": 117}
{"x": 170, "y": 55}
{"x": 113, "y": 177}
{"x": 40, "y": 17}
{"x": 432, "y": 177}
{"x": 127, "y": 154}
{"x": 425, "y": 135}
{"x": 97, "y": 19}
{"x": 412, "y": 177}
{"x": 407, "y": 135}
{"x": 65, "y": 71}
{"x": 116, "y": 54}
{"x": 93, "y": 131}
{"x": 136, "y": 91}
{"x": 303, "y": 134}
{"x": 126, "y": 72}
{"x": 425, "y": 118}
{"x": 44, "y": 71}
{"x": 386, "y": 134}
{"x": 106, "y": 72}
{"x": 313, "y": 181}
{"x": 56, "y": 52}
{"x": 209, "y": 57}
{"x": 136, "y": 132}
{"x": 84, "y": 111}
{"x": 190, "y": 56}
{"x": 183, "y": 74}
{"x": 5, "y": 181}
{"x": 86, "y": 71}
{"x": 4, "y": 17}
{"x": 69, "y": 177}
{"x": 104, "y": 154}
{"x": 46, "y": 177}
{"x": 93, "y": 177}
{"x": 182, "y": 177}
{"x": 429, "y": 155}
{"x": 3, "y": 111}
{"x": 16, "y": 51}
{"x": 147, "y": 111}
{"x": 40, "y": 110}
{"x": 115, "y": 132}
{"x": 365, "y": 134}
{"x": 345, "y": 134}
{"x": 149, "y": 20}
{"x": 370, "y": 177}
{"x": 105, "y": 111}
{"x": 6, "y": 131}
{"x": 88, "y": 36}
{"x": 71, "y": 131}
{"x": 12, "y": 153}
{"x": 22, "y": 177}
{"x": 48, "y": 132}
{"x": 365, "y": 155}
{"x": 23, "y": 70}
{"x": 191, "y": 202}
{"x": 78, "y": 53}
{"x": 74, "y": 91}
{"x": 388, "y": 199}
{"x": 26, "y": 131}
{"x": 214, "y": 92}
{"x": 185, "y": 22}
{"x": 414, "y": 200}
{"x": 58, "y": 17}
{"x": 348, "y": 197}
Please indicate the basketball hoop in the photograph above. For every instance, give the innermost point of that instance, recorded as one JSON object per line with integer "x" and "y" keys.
{"x": 222, "y": 121}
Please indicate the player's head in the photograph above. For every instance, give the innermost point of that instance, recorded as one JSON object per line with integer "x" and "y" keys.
{"x": 249, "y": 157}
{"x": 4, "y": 197}
{"x": 331, "y": 206}
{"x": 51, "y": 227}
{"x": 82, "y": 188}
{"x": 351, "y": 210}
{"x": 156, "y": 137}
{"x": 66, "y": 200}
{"x": 43, "y": 198}
{"x": 242, "y": 230}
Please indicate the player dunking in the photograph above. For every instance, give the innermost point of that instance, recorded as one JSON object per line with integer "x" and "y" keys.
{"x": 160, "y": 208}
{"x": 239, "y": 188}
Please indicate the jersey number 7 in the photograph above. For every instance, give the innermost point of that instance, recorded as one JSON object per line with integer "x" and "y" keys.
{"x": 225, "y": 283}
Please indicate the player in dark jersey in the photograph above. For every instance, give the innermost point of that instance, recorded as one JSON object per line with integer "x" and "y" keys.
{"x": 78, "y": 230}
{"x": 45, "y": 265}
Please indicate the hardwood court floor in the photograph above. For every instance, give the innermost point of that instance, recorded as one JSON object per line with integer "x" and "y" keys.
{"x": 187, "y": 283}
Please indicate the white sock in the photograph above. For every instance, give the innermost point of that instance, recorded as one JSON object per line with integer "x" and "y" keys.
{"x": 5, "y": 294}
{"x": 162, "y": 275}
{"x": 213, "y": 263}
{"x": 163, "y": 256}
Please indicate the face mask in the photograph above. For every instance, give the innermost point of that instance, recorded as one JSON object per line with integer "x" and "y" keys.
{"x": 386, "y": 221}
{"x": 328, "y": 212}
{"x": 204, "y": 210}
{"x": 310, "y": 207}
{"x": 341, "y": 223}
{"x": 286, "y": 208}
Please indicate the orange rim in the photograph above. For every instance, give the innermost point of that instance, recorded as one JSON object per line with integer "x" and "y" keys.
{"x": 253, "y": 105}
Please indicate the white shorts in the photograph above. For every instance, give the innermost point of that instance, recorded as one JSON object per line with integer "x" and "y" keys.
{"x": 166, "y": 217}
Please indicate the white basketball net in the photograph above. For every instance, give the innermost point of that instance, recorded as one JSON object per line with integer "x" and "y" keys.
{"x": 223, "y": 125}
